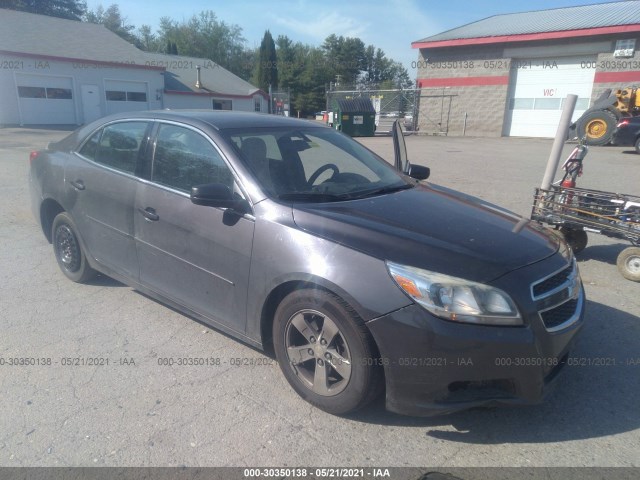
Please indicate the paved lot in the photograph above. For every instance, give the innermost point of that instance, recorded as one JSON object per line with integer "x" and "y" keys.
{"x": 136, "y": 412}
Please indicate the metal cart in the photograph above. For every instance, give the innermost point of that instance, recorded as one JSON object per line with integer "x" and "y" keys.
{"x": 576, "y": 211}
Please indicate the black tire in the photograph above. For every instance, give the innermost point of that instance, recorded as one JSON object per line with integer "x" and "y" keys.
{"x": 628, "y": 263}
{"x": 68, "y": 250}
{"x": 637, "y": 145}
{"x": 577, "y": 239}
{"x": 345, "y": 380}
{"x": 597, "y": 127}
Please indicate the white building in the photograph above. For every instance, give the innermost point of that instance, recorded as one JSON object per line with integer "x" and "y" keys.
{"x": 63, "y": 72}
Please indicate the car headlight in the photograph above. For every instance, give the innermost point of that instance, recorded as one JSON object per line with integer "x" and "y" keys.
{"x": 454, "y": 298}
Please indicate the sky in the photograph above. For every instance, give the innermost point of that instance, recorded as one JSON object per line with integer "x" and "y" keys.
{"x": 390, "y": 25}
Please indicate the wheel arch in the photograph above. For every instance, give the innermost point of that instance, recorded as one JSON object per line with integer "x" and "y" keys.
{"x": 278, "y": 293}
{"x": 49, "y": 209}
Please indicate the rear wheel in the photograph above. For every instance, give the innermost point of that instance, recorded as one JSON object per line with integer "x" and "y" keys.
{"x": 597, "y": 127}
{"x": 577, "y": 239}
{"x": 637, "y": 145}
{"x": 68, "y": 250}
{"x": 326, "y": 352}
{"x": 629, "y": 263}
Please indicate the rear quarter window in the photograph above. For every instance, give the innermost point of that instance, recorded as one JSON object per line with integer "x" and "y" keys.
{"x": 117, "y": 146}
{"x": 90, "y": 147}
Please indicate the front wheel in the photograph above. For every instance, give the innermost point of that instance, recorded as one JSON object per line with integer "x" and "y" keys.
{"x": 577, "y": 239}
{"x": 597, "y": 127}
{"x": 628, "y": 263}
{"x": 68, "y": 250}
{"x": 326, "y": 352}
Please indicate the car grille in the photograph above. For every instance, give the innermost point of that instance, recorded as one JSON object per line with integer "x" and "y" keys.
{"x": 552, "y": 282}
{"x": 559, "y": 298}
{"x": 557, "y": 316}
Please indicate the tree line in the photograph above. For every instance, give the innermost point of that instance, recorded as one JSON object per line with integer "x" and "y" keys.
{"x": 282, "y": 64}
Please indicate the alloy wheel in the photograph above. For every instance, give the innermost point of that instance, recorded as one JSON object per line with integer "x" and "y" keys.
{"x": 318, "y": 352}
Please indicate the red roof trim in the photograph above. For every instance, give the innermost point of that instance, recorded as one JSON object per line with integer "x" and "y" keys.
{"x": 616, "y": 77}
{"x": 527, "y": 37}
{"x": 463, "y": 81}
{"x": 83, "y": 61}
{"x": 216, "y": 94}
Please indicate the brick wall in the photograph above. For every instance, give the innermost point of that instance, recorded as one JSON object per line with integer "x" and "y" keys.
{"x": 474, "y": 81}
{"x": 484, "y": 107}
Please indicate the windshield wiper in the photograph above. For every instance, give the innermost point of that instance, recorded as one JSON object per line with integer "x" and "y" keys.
{"x": 311, "y": 197}
{"x": 382, "y": 191}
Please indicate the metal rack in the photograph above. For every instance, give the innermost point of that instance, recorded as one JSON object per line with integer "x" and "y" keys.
{"x": 575, "y": 211}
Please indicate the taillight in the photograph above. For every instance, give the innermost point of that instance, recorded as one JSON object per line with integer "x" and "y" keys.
{"x": 32, "y": 156}
{"x": 623, "y": 123}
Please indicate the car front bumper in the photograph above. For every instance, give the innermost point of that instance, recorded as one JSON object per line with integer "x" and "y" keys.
{"x": 433, "y": 366}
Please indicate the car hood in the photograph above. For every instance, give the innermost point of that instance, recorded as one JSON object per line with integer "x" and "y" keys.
{"x": 434, "y": 228}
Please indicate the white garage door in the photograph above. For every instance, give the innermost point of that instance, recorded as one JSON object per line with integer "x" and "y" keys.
{"x": 125, "y": 96}
{"x": 538, "y": 90}
{"x": 46, "y": 99}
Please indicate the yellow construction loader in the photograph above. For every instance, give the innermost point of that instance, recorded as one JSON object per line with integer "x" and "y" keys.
{"x": 599, "y": 122}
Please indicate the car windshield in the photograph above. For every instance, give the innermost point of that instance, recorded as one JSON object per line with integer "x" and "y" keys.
{"x": 313, "y": 164}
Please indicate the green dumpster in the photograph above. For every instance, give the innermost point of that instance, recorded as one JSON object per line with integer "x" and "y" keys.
{"x": 356, "y": 117}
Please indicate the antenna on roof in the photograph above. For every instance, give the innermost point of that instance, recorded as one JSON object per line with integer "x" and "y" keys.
{"x": 198, "y": 82}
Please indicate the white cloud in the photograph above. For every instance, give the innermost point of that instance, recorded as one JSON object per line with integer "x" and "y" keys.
{"x": 323, "y": 25}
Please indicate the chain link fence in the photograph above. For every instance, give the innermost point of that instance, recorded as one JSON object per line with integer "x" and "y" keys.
{"x": 390, "y": 105}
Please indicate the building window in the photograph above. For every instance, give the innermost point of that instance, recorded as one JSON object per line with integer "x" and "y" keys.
{"x": 42, "y": 92}
{"x": 59, "y": 93}
{"x": 118, "y": 96}
{"x": 547, "y": 104}
{"x": 625, "y": 48}
{"x": 522, "y": 103}
{"x": 115, "y": 96}
{"x": 32, "y": 92}
{"x": 221, "y": 104}
{"x": 257, "y": 105}
{"x": 136, "y": 97}
{"x": 581, "y": 104}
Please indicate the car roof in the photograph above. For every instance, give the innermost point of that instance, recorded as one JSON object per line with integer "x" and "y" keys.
{"x": 214, "y": 119}
{"x": 219, "y": 119}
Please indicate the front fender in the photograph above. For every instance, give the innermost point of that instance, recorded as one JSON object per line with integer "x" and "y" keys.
{"x": 284, "y": 253}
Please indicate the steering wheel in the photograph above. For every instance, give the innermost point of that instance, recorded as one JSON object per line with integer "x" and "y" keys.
{"x": 329, "y": 166}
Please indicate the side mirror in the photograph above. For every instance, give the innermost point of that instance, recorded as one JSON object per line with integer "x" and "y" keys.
{"x": 419, "y": 172}
{"x": 215, "y": 195}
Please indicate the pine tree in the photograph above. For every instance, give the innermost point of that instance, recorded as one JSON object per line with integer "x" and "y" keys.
{"x": 266, "y": 71}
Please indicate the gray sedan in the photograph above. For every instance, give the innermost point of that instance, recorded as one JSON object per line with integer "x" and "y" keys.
{"x": 290, "y": 236}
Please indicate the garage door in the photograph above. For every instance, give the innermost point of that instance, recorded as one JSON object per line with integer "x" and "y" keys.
{"x": 46, "y": 100}
{"x": 538, "y": 89}
{"x": 125, "y": 96}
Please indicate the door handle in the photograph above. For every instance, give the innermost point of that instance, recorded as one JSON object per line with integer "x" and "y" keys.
{"x": 149, "y": 213}
{"x": 77, "y": 184}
